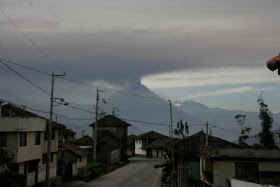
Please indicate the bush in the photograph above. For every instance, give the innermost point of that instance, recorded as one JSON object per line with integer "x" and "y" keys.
{"x": 96, "y": 168}
{"x": 11, "y": 179}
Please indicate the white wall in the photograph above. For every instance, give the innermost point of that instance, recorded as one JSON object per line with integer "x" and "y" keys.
{"x": 223, "y": 170}
{"x": 138, "y": 148}
{"x": 238, "y": 183}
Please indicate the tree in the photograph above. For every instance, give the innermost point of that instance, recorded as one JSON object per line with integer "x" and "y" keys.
{"x": 266, "y": 136}
{"x": 244, "y": 130}
{"x": 6, "y": 158}
{"x": 182, "y": 130}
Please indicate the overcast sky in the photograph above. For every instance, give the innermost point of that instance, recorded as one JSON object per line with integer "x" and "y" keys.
{"x": 210, "y": 51}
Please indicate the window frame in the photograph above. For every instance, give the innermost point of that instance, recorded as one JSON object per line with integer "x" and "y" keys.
{"x": 37, "y": 138}
{"x": 4, "y": 137}
{"x": 23, "y": 144}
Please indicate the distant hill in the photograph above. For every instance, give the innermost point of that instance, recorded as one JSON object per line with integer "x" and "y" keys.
{"x": 225, "y": 118}
{"x": 155, "y": 111}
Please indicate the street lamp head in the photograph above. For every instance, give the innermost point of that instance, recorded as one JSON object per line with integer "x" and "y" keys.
{"x": 274, "y": 63}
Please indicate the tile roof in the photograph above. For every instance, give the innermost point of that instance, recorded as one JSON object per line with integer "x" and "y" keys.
{"x": 111, "y": 121}
{"x": 160, "y": 143}
{"x": 152, "y": 135}
{"x": 74, "y": 149}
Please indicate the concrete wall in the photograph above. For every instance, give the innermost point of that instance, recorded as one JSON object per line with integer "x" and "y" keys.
{"x": 238, "y": 183}
{"x": 41, "y": 171}
{"x": 223, "y": 170}
{"x": 22, "y": 124}
{"x": 269, "y": 166}
{"x": 138, "y": 148}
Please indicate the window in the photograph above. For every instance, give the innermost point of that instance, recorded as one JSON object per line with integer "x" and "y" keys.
{"x": 3, "y": 139}
{"x": 37, "y": 138}
{"x": 22, "y": 139}
{"x": 246, "y": 170}
{"x": 32, "y": 166}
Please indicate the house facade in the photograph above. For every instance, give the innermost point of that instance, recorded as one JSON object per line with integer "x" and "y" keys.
{"x": 187, "y": 153}
{"x": 144, "y": 140}
{"x": 25, "y": 139}
{"x": 24, "y": 134}
{"x": 72, "y": 161}
{"x": 112, "y": 138}
{"x": 157, "y": 149}
{"x": 220, "y": 165}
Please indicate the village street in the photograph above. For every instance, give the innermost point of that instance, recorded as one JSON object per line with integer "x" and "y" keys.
{"x": 140, "y": 172}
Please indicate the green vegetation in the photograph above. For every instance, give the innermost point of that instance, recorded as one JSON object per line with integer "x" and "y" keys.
{"x": 98, "y": 169}
{"x": 266, "y": 136}
{"x": 244, "y": 130}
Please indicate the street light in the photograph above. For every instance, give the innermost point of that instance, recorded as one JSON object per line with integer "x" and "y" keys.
{"x": 274, "y": 64}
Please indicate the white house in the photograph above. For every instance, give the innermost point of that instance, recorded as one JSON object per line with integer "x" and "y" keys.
{"x": 144, "y": 140}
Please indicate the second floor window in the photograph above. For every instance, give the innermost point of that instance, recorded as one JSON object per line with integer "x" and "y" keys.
{"x": 22, "y": 139}
{"x": 3, "y": 139}
{"x": 37, "y": 138}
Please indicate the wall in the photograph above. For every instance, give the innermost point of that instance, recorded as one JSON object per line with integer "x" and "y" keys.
{"x": 138, "y": 148}
{"x": 22, "y": 124}
{"x": 269, "y": 166}
{"x": 238, "y": 183}
{"x": 223, "y": 170}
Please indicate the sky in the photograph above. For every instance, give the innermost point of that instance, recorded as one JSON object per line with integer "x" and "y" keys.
{"x": 213, "y": 52}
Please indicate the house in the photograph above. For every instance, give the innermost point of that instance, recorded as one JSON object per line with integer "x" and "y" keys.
{"x": 187, "y": 152}
{"x": 72, "y": 160}
{"x": 219, "y": 165}
{"x": 157, "y": 149}
{"x": 144, "y": 140}
{"x": 66, "y": 135}
{"x": 131, "y": 145}
{"x": 114, "y": 131}
{"x": 24, "y": 134}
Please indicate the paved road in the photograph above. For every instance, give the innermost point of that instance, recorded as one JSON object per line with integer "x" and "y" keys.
{"x": 140, "y": 172}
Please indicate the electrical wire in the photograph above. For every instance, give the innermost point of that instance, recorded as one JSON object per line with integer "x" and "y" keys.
{"x": 31, "y": 41}
{"x": 85, "y": 84}
{"x": 30, "y": 82}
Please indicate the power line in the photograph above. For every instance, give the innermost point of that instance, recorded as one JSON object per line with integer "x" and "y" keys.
{"x": 31, "y": 41}
{"x": 30, "y": 82}
{"x": 46, "y": 112}
{"x": 79, "y": 109}
{"x": 225, "y": 129}
{"x": 83, "y": 83}
{"x": 26, "y": 67}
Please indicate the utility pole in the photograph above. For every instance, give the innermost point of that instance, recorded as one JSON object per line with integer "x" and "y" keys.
{"x": 206, "y": 141}
{"x": 172, "y": 156}
{"x": 95, "y": 126}
{"x": 52, "y": 99}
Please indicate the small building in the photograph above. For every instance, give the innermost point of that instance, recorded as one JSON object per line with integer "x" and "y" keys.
{"x": 66, "y": 135}
{"x": 144, "y": 140}
{"x": 72, "y": 161}
{"x": 220, "y": 165}
{"x": 115, "y": 132}
{"x": 157, "y": 149}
